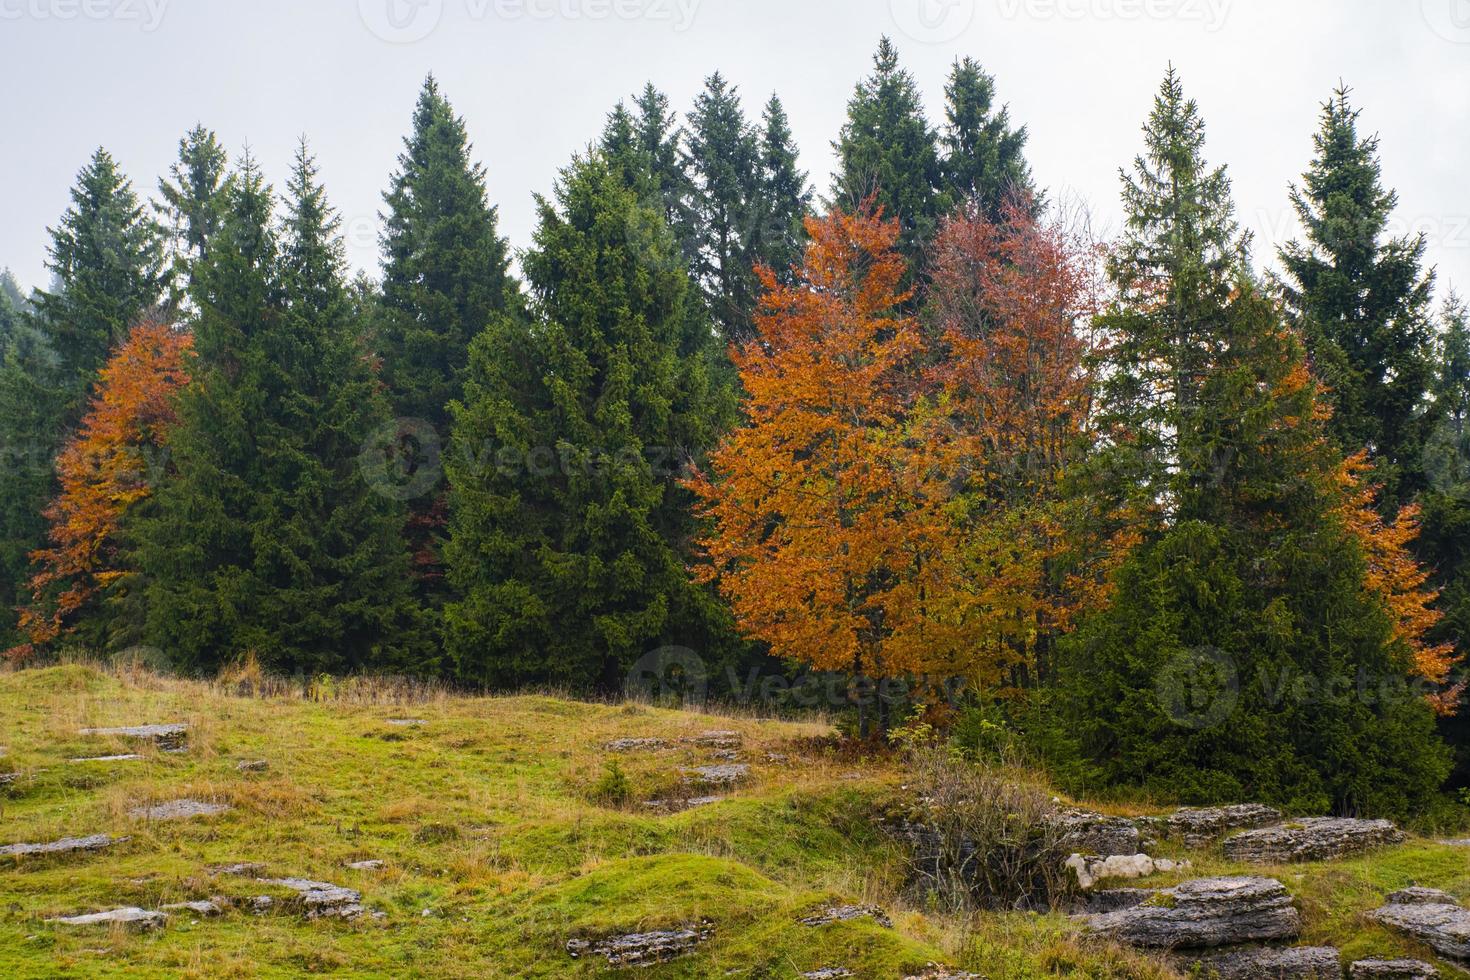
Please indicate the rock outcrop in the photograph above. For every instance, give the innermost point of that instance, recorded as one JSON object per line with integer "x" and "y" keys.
{"x": 642, "y": 948}
{"x": 716, "y": 740}
{"x": 636, "y": 745}
{"x": 164, "y": 736}
{"x": 1432, "y": 917}
{"x": 67, "y": 845}
{"x": 1312, "y": 839}
{"x": 320, "y": 899}
{"x": 1091, "y": 870}
{"x": 847, "y": 913}
{"x": 1198, "y": 826}
{"x": 1297, "y": 963}
{"x": 1095, "y": 834}
{"x": 725, "y": 774}
{"x": 1392, "y": 970}
{"x": 1204, "y": 914}
{"x": 129, "y": 918}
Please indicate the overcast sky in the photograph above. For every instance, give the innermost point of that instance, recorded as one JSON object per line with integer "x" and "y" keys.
{"x": 535, "y": 78}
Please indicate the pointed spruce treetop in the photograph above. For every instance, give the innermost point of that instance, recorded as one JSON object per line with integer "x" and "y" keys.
{"x": 313, "y": 262}
{"x": 1362, "y": 299}
{"x": 888, "y": 149}
{"x": 106, "y": 257}
{"x": 984, "y": 158}
{"x": 787, "y": 196}
{"x": 445, "y": 267}
{"x": 193, "y": 197}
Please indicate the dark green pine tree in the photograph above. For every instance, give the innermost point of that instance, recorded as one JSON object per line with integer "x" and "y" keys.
{"x": 13, "y": 306}
{"x": 984, "y": 158}
{"x": 1362, "y": 300}
{"x": 646, "y": 145}
{"x": 193, "y": 198}
{"x": 34, "y": 396}
{"x": 1242, "y": 657}
{"x": 723, "y": 158}
{"x": 1444, "y": 540}
{"x": 270, "y": 537}
{"x": 107, "y": 263}
{"x": 568, "y": 528}
{"x": 786, "y": 197}
{"x": 446, "y": 268}
{"x": 888, "y": 149}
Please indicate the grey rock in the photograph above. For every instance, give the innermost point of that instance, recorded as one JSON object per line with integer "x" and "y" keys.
{"x": 67, "y": 845}
{"x": 164, "y": 736}
{"x": 642, "y": 948}
{"x": 1300, "y": 963}
{"x": 1311, "y": 839}
{"x": 6, "y": 778}
{"x": 368, "y": 865}
{"x": 1197, "y": 826}
{"x": 178, "y": 810}
{"x": 1115, "y": 900}
{"x": 253, "y": 765}
{"x": 716, "y": 740}
{"x": 828, "y": 973}
{"x": 1392, "y": 970}
{"x": 1096, "y": 834}
{"x": 321, "y": 899}
{"x": 936, "y": 972}
{"x": 406, "y": 722}
{"x": 205, "y": 908}
{"x": 129, "y": 917}
{"x": 1442, "y": 926}
{"x": 261, "y": 904}
{"x": 127, "y": 757}
{"x": 847, "y": 913}
{"x": 636, "y": 745}
{"x": 240, "y": 868}
{"x": 1415, "y": 895}
{"x": 725, "y": 774}
{"x": 1204, "y": 914}
{"x": 1090, "y": 870}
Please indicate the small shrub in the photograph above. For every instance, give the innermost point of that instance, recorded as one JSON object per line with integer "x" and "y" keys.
{"x": 435, "y": 833}
{"x": 981, "y": 838}
{"x": 612, "y": 787}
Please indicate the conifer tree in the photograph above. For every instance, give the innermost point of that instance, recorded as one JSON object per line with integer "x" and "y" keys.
{"x": 787, "y": 197}
{"x": 888, "y": 149}
{"x": 984, "y": 158}
{"x": 193, "y": 199}
{"x": 1251, "y": 651}
{"x": 1362, "y": 300}
{"x": 269, "y": 538}
{"x": 445, "y": 268}
{"x": 106, "y": 259}
{"x": 568, "y": 529}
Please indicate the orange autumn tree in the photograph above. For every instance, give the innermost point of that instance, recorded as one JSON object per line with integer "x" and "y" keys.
{"x": 1398, "y": 579}
{"x": 104, "y": 470}
{"x": 834, "y": 509}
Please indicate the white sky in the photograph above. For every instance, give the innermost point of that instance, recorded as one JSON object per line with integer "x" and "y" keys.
{"x": 534, "y": 79}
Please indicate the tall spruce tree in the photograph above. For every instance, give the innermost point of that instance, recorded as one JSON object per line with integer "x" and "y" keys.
{"x": 568, "y": 528}
{"x": 984, "y": 158}
{"x": 1362, "y": 300}
{"x": 887, "y": 148}
{"x": 269, "y": 537}
{"x": 445, "y": 269}
{"x": 193, "y": 197}
{"x": 723, "y": 159}
{"x": 106, "y": 259}
{"x": 786, "y": 195}
{"x": 1244, "y": 656}
{"x": 13, "y": 306}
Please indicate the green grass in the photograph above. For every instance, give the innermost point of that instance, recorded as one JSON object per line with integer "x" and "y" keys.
{"x": 502, "y": 841}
